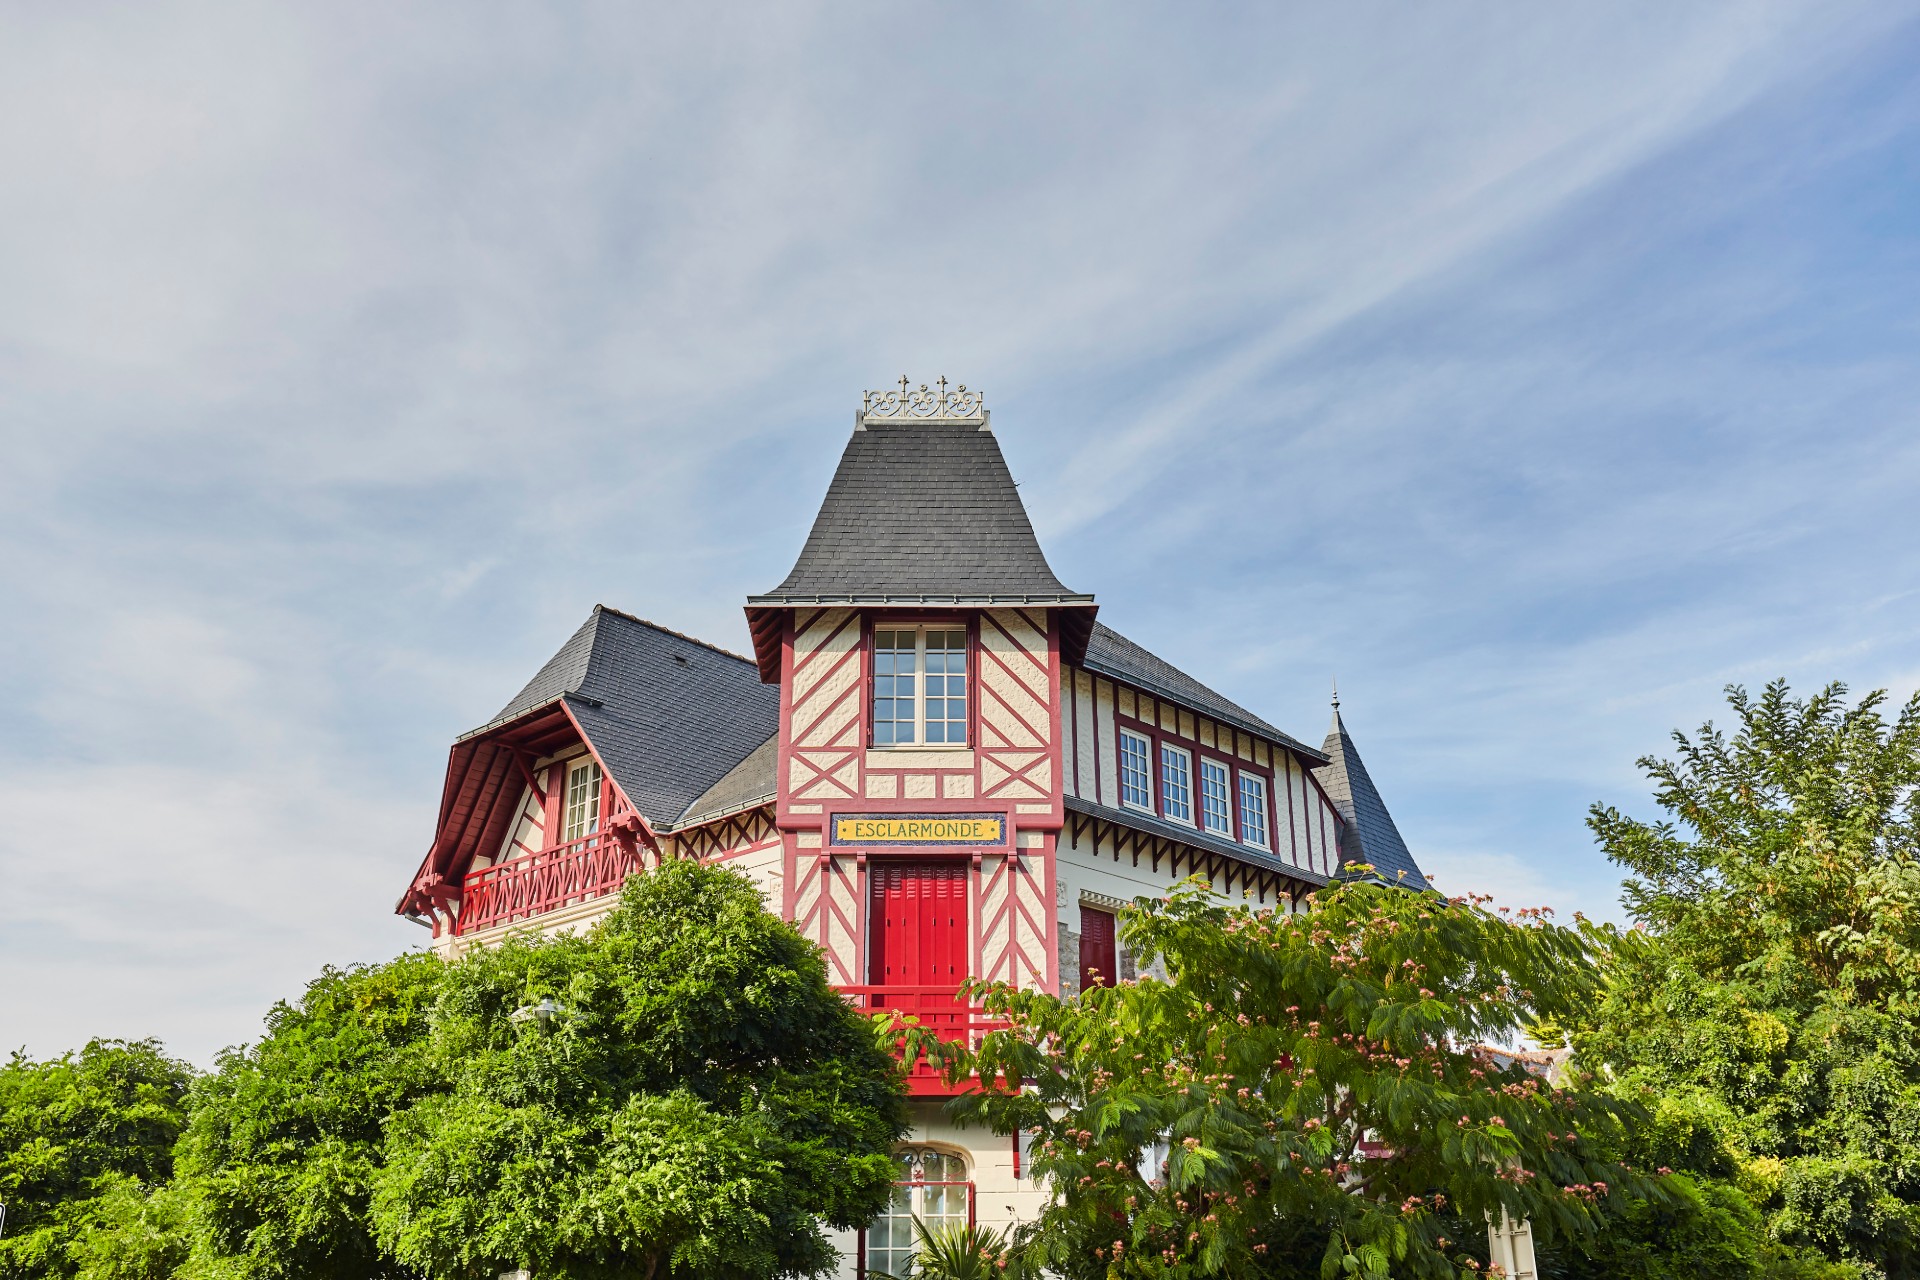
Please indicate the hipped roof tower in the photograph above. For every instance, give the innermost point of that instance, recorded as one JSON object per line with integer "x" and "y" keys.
{"x": 922, "y": 512}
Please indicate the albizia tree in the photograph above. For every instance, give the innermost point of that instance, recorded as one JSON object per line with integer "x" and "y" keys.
{"x": 1305, "y": 1094}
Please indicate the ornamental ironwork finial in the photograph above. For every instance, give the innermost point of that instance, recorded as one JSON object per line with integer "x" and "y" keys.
{"x": 923, "y": 404}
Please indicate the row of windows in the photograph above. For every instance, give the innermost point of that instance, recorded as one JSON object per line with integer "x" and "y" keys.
{"x": 1217, "y": 796}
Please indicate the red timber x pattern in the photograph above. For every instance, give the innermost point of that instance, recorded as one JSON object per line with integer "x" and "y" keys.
{"x": 1016, "y": 919}
{"x": 823, "y": 731}
{"x": 733, "y": 836}
{"x": 1018, "y": 730}
{"x": 826, "y": 906}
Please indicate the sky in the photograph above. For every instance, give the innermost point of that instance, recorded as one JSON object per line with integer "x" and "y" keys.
{"x": 1535, "y": 371}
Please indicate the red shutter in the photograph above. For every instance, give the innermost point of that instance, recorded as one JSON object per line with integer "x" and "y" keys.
{"x": 1099, "y": 955}
{"x": 917, "y": 932}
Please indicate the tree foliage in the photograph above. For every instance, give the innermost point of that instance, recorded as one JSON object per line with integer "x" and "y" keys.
{"x": 76, "y": 1132}
{"x": 1315, "y": 1084}
{"x": 1765, "y": 1007}
{"x": 700, "y": 1103}
{"x": 694, "y": 1100}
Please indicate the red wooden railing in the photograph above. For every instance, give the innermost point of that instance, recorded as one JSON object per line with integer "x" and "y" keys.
{"x": 546, "y": 881}
{"x": 939, "y": 1009}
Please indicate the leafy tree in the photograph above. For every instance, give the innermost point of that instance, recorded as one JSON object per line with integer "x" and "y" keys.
{"x": 695, "y": 1101}
{"x": 277, "y": 1167}
{"x": 76, "y": 1133}
{"x": 1315, "y": 1085}
{"x": 1765, "y": 1006}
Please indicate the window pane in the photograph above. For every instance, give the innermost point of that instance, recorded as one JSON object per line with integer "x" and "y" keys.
{"x": 1253, "y": 810}
{"x": 1176, "y": 784}
{"x": 583, "y": 801}
{"x": 1213, "y": 797}
{"x": 1136, "y": 787}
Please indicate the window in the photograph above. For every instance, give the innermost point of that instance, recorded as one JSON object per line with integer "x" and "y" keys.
{"x": 919, "y": 686}
{"x": 1136, "y": 774}
{"x": 1099, "y": 952}
{"x": 1176, "y": 783}
{"x": 929, "y": 1185}
{"x": 1253, "y": 810}
{"x": 1215, "y": 815}
{"x": 583, "y": 801}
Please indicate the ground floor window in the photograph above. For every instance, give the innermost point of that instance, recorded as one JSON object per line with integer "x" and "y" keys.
{"x": 930, "y": 1185}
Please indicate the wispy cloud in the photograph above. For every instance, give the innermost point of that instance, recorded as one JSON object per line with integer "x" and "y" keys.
{"x": 1494, "y": 358}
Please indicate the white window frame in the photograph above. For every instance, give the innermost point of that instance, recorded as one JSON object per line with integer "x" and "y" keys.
{"x": 1266, "y": 809}
{"x": 1147, "y": 761}
{"x": 920, "y": 630}
{"x": 1166, "y": 749}
{"x": 1200, "y": 795}
{"x": 589, "y": 823}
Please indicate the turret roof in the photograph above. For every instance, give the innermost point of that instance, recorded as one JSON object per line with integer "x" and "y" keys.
{"x": 921, "y": 513}
{"x": 1368, "y": 833}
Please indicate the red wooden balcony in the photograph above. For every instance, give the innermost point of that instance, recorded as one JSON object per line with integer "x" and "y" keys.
{"x": 939, "y": 1009}
{"x": 546, "y": 881}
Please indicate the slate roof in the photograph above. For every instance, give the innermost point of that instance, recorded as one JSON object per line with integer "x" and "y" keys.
{"x": 921, "y": 513}
{"x": 1153, "y": 824}
{"x": 753, "y": 781}
{"x": 1368, "y": 834}
{"x": 669, "y": 716}
{"x": 1111, "y": 653}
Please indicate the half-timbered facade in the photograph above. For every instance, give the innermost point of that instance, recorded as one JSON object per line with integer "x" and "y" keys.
{"x": 936, "y": 762}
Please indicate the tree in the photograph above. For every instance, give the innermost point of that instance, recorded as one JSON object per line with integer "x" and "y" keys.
{"x": 696, "y": 1100}
{"x": 78, "y": 1133}
{"x": 1765, "y": 1005}
{"x": 1304, "y": 1095}
{"x": 277, "y": 1168}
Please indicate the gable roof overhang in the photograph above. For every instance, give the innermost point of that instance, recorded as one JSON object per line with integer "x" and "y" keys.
{"x": 487, "y": 771}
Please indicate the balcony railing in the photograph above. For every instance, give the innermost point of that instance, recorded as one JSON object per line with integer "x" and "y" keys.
{"x": 939, "y": 1009}
{"x": 533, "y": 885}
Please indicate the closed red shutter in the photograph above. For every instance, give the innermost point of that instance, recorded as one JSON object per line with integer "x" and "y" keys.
{"x": 917, "y": 932}
{"x": 1099, "y": 954}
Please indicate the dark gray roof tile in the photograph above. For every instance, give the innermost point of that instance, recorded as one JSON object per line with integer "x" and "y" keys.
{"x": 1368, "y": 833}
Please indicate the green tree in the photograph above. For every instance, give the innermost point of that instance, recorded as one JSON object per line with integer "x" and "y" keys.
{"x": 696, "y": 1100}
{"x": 1304, "y": 1095}
{"x": 277, "y": 1167}
{"x": 80, "y": 1133}
{"x": 1765, "y": 1006}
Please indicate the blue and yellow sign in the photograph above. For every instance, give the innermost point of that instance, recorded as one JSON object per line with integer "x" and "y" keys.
{"x": 919, "y": 828}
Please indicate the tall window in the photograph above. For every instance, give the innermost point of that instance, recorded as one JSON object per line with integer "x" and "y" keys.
{"x": 919, "y": 686}
{"x": 1253, "y": 810}
{"x": 1215, "y": 798}
{"x": 583, "y": 801}
{"x": 1176, "y": 783}
{"x": 1136, "y": 771}
{"x": 929, "y": 1185}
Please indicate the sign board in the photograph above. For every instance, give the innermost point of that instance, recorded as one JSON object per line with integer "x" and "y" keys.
{"x": 909, "y": 829}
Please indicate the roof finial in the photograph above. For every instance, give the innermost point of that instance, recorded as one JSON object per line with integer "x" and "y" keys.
{"x": 923, "y": 404}
{"x": 1336, "y": 693}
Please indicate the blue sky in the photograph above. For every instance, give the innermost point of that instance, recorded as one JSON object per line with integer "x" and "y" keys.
{"x": 1537, "y": 373}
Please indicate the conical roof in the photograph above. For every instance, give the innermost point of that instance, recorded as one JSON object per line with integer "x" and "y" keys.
{"x": 1369, "y": 834}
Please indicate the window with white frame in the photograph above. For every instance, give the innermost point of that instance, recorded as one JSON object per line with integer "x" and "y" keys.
{"x": 1176, "y": 783}
{"x": 1215, "y": 798}
{"x": 931, "y": 1187}
{"x": 1253, "y": 810}
{"x": 1136, "y": 771}
{"x": 919, "y": 686}
{"x": 583, "y": 801}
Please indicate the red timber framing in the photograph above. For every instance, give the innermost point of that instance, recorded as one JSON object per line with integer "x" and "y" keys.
{"x": 550, "y": 880}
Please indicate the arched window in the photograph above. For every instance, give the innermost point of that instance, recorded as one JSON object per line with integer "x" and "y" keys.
{"x": 930, "y": 1185}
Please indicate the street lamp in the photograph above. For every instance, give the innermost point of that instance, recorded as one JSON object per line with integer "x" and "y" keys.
{"x": 543, "y": 1013}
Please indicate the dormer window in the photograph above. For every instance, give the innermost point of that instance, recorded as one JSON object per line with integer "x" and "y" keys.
{"x": 919, "y": 686}
{"x": 583, "y": 801}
